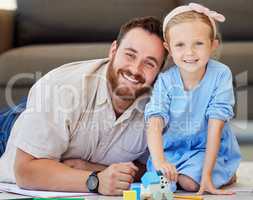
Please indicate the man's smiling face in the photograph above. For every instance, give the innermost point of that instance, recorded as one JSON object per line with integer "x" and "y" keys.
{"x": 135, "y": 63}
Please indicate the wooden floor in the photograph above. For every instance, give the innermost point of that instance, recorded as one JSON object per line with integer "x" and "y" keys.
{"x": 243, "y": 188}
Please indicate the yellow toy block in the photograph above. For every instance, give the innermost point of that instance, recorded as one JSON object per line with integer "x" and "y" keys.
{"x": 129, "y": 195}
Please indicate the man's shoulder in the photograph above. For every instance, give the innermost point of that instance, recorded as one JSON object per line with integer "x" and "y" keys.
{"x": 69, "y": 83}
{"x": 71, "y": 74}
{"x": 88, "y": 65}
{"x": 77, "y": 69}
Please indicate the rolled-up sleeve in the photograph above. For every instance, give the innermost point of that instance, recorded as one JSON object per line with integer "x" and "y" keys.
{"x": 222, "y": 101}
{"x": 159, "y": 103}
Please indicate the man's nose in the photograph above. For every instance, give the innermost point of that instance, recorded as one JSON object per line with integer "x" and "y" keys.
{"x": 137, "y": 67}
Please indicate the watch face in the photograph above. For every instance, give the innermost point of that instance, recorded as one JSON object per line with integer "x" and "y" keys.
{"x": 92, "y": 182}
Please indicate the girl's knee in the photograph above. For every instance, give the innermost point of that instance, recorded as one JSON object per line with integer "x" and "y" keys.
{"x": 188, "y": 184}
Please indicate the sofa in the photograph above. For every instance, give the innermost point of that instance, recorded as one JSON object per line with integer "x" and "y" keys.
{"x": 40, "y": 35}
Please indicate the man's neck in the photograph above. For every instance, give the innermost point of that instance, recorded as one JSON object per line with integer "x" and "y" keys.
{"x": 119, "y": 105}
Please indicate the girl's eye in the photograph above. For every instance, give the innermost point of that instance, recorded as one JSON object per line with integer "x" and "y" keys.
{"x": 199, "y": 43}
{"x": 179, "y": 45}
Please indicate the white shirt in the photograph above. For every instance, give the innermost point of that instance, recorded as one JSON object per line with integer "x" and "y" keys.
{"x": 69, "y": 114}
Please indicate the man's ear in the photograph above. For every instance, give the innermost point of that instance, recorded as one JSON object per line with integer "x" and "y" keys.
{"x": 113, "y": 49}
{"x": 215, "y": 44}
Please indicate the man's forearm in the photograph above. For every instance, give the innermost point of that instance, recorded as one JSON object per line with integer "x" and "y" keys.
{"x": 84, "y": 165}
{"x": 94, "y": 166}
{"x": 45, "y": 174}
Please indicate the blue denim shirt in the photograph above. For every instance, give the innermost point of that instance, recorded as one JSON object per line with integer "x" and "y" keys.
{"x": 187, "y": 112}
{"x": 7, "y": 118}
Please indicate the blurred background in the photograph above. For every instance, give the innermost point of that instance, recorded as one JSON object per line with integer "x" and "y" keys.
{"x": 39, "y": 35}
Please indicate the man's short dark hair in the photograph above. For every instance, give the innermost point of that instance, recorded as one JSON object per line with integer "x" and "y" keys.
{"x": 150, "y": 24}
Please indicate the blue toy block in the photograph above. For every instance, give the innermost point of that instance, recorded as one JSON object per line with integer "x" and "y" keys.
{"x": 137, "y": 189}
{"x": 150, "y": 178}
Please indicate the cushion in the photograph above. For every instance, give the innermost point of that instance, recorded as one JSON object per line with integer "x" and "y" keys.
{"x": 47, "y": 21}
{"x": 22, "y": 64}
{"x": 240, "y": 62}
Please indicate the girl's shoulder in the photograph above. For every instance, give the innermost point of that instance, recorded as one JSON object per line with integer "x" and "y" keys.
{"x": 170, "y": 72}
{"x": 168, "y": 78}
{"x": 218, "y": 73}
{"x": 217, "y": 67}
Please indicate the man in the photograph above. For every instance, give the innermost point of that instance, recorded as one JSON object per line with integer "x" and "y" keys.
{"x": 83, "y": 125}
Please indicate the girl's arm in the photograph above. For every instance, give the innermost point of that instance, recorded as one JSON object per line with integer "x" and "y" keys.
{"x": 215, "y": 127}
{"x": 154, "y": 137}
{"x": 213, "y": 145}
{"x": 155, "y": 143}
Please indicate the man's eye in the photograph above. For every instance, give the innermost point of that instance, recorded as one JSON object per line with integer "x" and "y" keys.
{"x": 129, "y": 55}
{"x": 149, "y": 64}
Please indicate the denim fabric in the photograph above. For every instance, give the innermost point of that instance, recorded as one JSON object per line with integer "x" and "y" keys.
{"x": 7, "y": 118}
{"x": 186, "y": 115}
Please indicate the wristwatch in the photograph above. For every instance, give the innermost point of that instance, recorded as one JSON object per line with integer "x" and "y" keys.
{"x": 92, "y": 182}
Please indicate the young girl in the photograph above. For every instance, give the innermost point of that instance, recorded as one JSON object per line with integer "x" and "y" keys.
{"x": 191, "y": 105}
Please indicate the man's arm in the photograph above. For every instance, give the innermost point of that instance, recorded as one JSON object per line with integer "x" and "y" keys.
{"x": 84, "y": 165}
{"x": 89, "y": 166}
{"x": 46, "y": 174}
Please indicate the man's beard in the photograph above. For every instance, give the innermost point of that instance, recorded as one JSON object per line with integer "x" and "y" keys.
{"x": 122, "y": 91}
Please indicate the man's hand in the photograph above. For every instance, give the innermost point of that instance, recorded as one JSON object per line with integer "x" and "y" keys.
{"x": 116, "y": 178}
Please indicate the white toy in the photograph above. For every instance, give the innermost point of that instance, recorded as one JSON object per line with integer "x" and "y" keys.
{"x": 155, "y": 186}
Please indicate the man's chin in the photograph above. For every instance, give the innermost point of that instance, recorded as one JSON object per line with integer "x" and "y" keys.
{"x": 129, "y": 95}
{"x": 125, "y": 96}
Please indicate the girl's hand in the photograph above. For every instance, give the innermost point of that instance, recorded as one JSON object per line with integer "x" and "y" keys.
{"x": 168, "y": 170}
{"x": 206, "y": 185}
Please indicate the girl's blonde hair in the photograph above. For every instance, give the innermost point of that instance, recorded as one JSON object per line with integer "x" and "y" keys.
{"x": 190, "y": 16}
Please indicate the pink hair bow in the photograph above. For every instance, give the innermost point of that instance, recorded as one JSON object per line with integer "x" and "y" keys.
{"x": 210, "y": 13}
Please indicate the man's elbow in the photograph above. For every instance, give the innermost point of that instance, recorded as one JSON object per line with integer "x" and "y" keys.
{"x": 23, "y": 170}
{"x": 22, "y": 177}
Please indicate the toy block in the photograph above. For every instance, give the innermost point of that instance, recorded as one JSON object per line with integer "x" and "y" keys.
{"x": 129, "y": 195}
{"x": 157, "y": 196}
{"x": 168, "y": 195}
{"x": 137, "y": 189}
{"x": 150, "y": 178}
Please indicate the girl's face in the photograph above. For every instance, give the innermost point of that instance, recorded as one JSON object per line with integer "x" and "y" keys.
{"x": 190, "y": 45}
